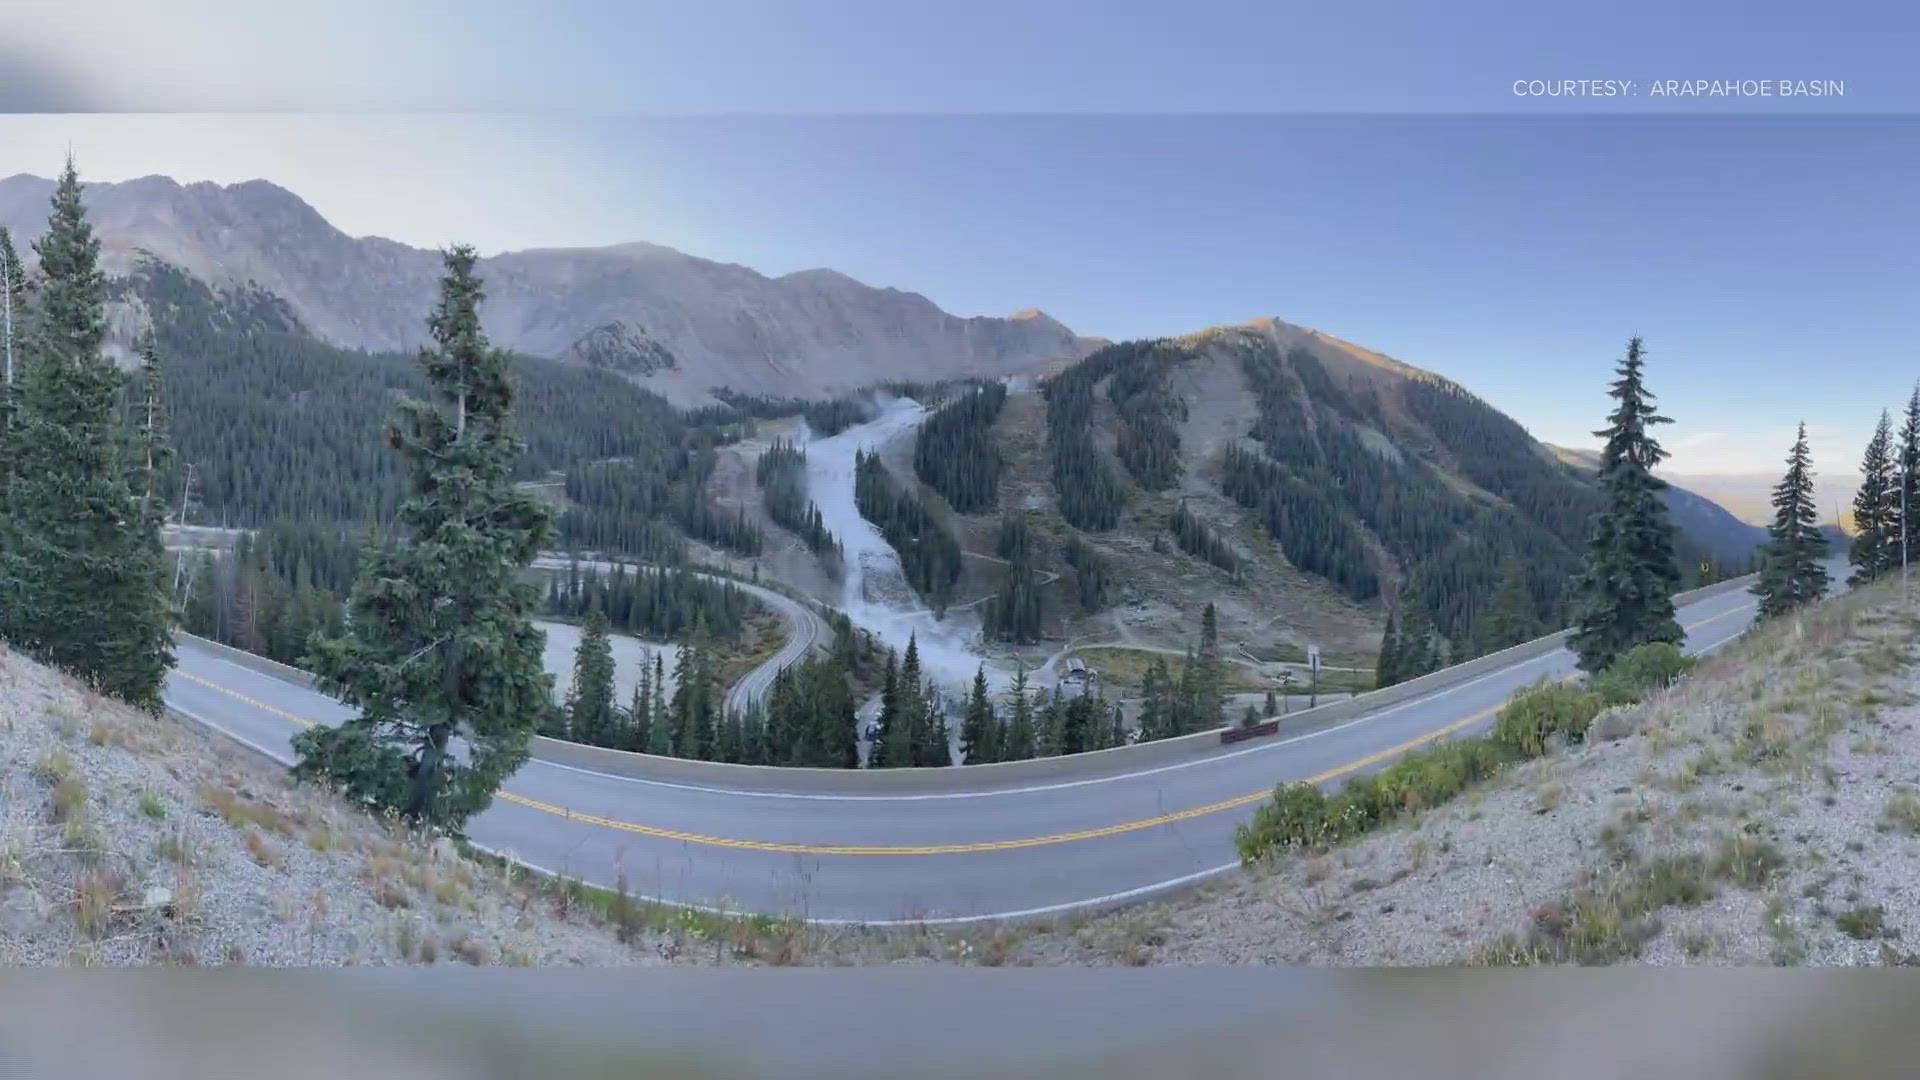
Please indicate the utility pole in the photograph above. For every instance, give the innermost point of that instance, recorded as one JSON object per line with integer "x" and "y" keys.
{"x": 1313, "y": 668}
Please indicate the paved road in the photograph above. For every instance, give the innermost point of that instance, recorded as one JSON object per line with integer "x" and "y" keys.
{"x": 1024, "y": 850}
{"x": 805, "y": 628}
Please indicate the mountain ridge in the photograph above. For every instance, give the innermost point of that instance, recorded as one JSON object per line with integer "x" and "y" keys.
{"x": 815, "y": 331}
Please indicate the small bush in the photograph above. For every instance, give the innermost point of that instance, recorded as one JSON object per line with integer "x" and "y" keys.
{"x": 1903, "y": 811}
{"x": 1529, "y": 721}
{"x": 1747, "y": 861}
{"x": 1302, "y": 818}
{"x": 1640, "y": 671}
{"x": 1863, "y": 923}
{"x": 69, "y": 798}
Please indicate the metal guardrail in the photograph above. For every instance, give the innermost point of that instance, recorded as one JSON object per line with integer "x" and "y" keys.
{"x": 984, "y": 777}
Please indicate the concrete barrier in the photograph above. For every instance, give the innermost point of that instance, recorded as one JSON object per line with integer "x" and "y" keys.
{"x": 972, "y": 778}
{"x": 285, "y": 672}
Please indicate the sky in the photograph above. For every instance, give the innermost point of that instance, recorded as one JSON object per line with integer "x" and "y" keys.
{"x": 1369, "y": 171}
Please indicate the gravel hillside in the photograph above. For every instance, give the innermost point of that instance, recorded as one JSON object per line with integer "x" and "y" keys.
{"x": 131, "y": 839}
{"x": 1766, "y": 810}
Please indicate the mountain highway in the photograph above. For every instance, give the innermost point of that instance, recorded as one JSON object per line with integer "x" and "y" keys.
{"x": 1021, "y": 850}
{"x": 805, "y": 628}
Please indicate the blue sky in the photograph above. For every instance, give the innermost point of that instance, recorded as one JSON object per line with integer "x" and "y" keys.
{"x": 1172, "y": 170}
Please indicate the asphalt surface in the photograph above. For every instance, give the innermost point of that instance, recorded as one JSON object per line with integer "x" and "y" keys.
{"x": 805, "y": 629}
{"x": 1018, "y": 851}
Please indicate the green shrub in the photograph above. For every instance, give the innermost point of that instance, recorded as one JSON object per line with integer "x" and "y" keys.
{"x": 1545, "y": 709}
{"x": 1301, "y": 818}
{"x": 1640, "y": 671}
{"x": 1296, "y": 815}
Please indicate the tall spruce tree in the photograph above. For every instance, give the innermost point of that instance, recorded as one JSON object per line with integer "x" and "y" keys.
{"x": 13, "y": 314}
{"x": 590, "y": 716}
{"x": 1624, "y": 596}
{"x": 1386, "y": 670}
{"x": 659, "y": 724}
{"x": 1793, "y": 573}
{"x": 1905, "y": 524}
{"x": 1019, "y": 743}
{"x": 1209, "y": 696}
{"x": 1048, "y": 738}
{"x": 1156, "y": 705}
{"x": 81, "y": 558}
{"x": 442, "y": 641}
{"x": 1510, "y": 618}
{"x": 1186, "y": 696}
{"x": 640, "y": 711}
{"x": 936, "y": 743}
{"x": 978, "y": 730}
{"x": 681, "y": 707}
{"x": 895, "y": 746}
{"x": 1419, "y": 651}
{"x": 1875, "y": 513}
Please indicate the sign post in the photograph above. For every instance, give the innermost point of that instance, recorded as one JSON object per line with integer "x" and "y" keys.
{"x": 1313, "y": 667}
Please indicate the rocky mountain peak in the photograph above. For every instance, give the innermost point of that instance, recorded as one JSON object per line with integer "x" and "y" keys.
{"x": 646, "y": 309}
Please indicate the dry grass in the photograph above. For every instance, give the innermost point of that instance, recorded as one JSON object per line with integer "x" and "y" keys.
{"x": 146, "y": 841}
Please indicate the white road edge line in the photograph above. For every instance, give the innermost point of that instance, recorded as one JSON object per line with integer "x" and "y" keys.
{"x": 951, "y": 920}
{"x": 1061, "y": 785}
{"x": 947, "y": 920}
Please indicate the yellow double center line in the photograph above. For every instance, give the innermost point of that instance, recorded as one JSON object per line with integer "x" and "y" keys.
{"x": 778, "y": 847}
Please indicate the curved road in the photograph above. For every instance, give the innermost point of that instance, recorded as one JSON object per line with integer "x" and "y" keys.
{"x": 805, "y": 628}
{"x": 958, "y": 856}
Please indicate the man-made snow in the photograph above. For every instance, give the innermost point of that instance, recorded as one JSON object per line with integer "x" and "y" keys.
{"x": 876, "y": 594}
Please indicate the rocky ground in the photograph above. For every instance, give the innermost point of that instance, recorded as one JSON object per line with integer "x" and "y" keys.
{"x": 1766, "y": 810}
{"x": 132, "y": 839}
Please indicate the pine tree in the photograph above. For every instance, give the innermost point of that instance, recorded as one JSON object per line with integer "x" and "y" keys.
{"x": 660, "y": 724}
{"x": 1905, "y": 528}
{"x": 13, "y": 313}
{"x": 1076, "y": 725}
{"x": 81, "y": 555}
{"x": 703, "y": 721}
{"x": 1875, "y": 513}
{"x": 1019, "y": 742}
{"x": 681, "y": 708}
{"x": 590, "y": 701}
{"x": 1417, "y": 649}
{"x": 1625, "y": 592}
{"x": 913, "y": 703}
{"x": 1793, "y": 574}
{"x": 895, "y": 745}
{"x": 728, "y": 738}
{"x": 1156, "y": 704}
{"x": 640, "y": 712}
{"x": 936, "y": 747}
{"x": 1510, "y": 617}
{"x": 1048, "y": 738}
{"x": 1209, "y": 699}
{"x": 1186, "y": 709}
{"x": 978, "y": 730}
{"x": 1386, "y": 670}
{"x": 442, "y": 640}
{"x": 659, "y": 727}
